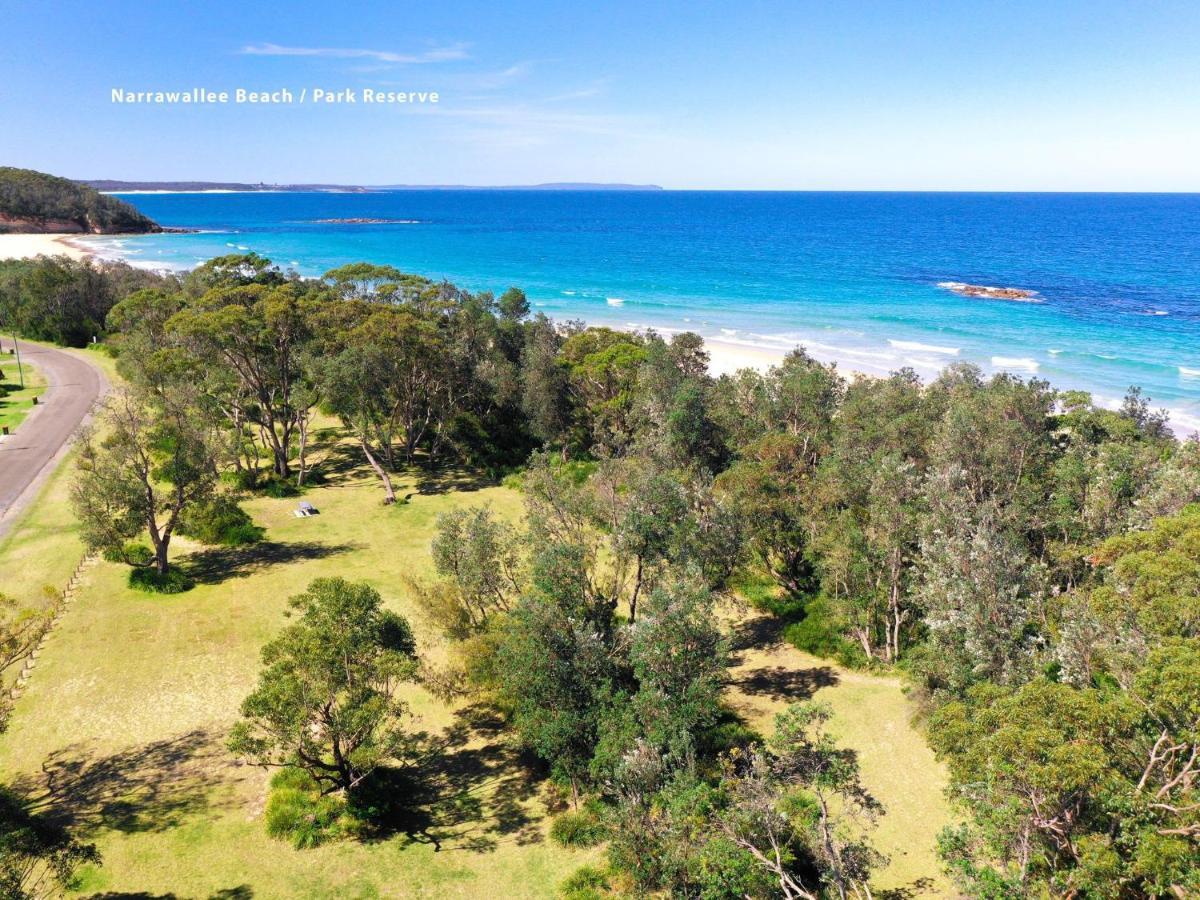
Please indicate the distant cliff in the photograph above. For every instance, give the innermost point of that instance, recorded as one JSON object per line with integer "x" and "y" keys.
{"x": 118, "y": 187}
{"x": 549, "y": 186}
{"x": 217, "y": 187}
{"x": 35, "y": 203}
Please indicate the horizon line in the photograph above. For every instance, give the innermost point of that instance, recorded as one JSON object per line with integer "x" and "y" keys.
{"x": 636, "y": 188}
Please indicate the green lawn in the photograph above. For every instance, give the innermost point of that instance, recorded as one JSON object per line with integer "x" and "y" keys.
{"x": 17, "y": 401}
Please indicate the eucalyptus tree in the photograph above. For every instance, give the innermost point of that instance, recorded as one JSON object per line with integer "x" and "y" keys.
{"x": 327, "y": 697}
{"x": 152, "y": 459}
{"x": 799, "y": 808}
{"x": 259, "y": 333}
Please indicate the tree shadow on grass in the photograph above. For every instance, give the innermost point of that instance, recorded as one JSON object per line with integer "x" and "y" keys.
{"x": 468, "y": 789}
{"x": 241, "y": 892}
{"x": 759, "y": 632}
{"x": 449, "y": 480}
{"x": 341, "y": 461}
{"x": 152, "y": 787}
{"x": 215, "y": 565}
{"x": 921, "y": 887}
{"x": 782, "y": 683}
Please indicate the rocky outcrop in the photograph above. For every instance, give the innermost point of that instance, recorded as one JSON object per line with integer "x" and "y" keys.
{"x": 29, "y": 225}
{"x": 1019, "y": 295}
{"x": 21, "y": 225}
{"x": 366, "y": 221}
{"x": 36, "y": 203}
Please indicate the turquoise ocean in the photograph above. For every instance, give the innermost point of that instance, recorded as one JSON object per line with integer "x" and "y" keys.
{"x": 854, "y": 277}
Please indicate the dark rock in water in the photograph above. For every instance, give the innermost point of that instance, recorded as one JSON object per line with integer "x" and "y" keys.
{"x": 1019, "y": 295}
{"x": 366, "y": 221}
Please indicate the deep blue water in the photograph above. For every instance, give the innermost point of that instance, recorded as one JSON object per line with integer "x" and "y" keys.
{"x": 853, "y": 276}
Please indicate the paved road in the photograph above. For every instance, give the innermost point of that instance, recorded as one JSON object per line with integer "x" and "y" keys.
{"x": 29, "y": 454}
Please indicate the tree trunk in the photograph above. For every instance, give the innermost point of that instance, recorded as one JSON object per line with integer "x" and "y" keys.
{"x": 389, "y": 494}
{"x": 893, "y": 638}
{"x": 864, "y": 638}
{"x": 303, "y": 446}
{"x": 637, "y": 589}
{"x": 160, "y": 555}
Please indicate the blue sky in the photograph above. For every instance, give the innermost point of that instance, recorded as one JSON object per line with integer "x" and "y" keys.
{"x": 1013, "y": 95}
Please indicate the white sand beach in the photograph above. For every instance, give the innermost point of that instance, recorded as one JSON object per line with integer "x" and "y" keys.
{"x": 726, "y": 357}
{"x": 25, "y": 246}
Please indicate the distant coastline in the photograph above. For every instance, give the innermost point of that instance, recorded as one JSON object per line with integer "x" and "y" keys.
{"x": 110, "y": 186}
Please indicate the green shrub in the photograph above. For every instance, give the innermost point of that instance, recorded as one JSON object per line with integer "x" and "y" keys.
{"x": 149, "y": 581}
{"x": 220, "y": 521}
{"x": 585, "y": 883}
{"x": 821, "y": 633}
{"x": 764, "y": 593}
{"x": 106, "y": 349}
{"x": 581, "y": 828}
{"x": 278, "y": 488}
{"x": 298, "y": 813}
{"x": 728, "y": 733}
{"x": 240, "y": 535}
{"x": 132, "y": 554}
{"x": 240, "y": 479}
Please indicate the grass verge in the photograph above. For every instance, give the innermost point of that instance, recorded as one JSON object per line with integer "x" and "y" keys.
{"x": 16, "y": 402}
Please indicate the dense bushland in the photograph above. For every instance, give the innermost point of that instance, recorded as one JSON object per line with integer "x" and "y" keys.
{"x": 1027, "y": 559}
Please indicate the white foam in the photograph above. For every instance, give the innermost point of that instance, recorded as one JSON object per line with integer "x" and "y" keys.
{"x": 614, "y": 301}
{"x": 924, "y": 348}
{"x": 729, "y": 331}
{"x": 1053, "y": 352}
{"x": 1155, "y": 312}
{"x": 1183, "y": 423}
{"x": 569, "y": 293}
{"x": 924, "y": 362}
{"x": 1186, "y": 372}
{"x": 1015, "y": 362}
{"x": 242, "y": 247}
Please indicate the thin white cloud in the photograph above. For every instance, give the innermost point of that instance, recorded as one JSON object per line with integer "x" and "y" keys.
{"x": 493, "y": 80}
{"x": 595, "y": 89}
{"x": 447, "y": 53}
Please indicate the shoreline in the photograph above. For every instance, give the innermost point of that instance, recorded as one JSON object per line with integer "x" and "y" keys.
{"x": 726, "y": 356}
{"x": 27, "y": 246}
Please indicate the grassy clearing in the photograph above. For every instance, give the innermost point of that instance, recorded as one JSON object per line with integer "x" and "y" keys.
{"x": 124, "y": 721}
{"x": 17, "y": 401}
{"x": 872, "y": 716}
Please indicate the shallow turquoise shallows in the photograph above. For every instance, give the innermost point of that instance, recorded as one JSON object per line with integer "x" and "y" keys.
{"x": 853, "y": 276}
